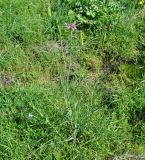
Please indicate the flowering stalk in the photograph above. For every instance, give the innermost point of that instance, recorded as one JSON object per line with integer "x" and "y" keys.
{"x": 71, "y": 27}
{"x": 49, "y": 11}
{"x": 71, "y": 35}
{"x": 81, "y": 38}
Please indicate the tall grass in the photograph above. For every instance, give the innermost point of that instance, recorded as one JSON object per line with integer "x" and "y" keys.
{"x": 62, "y": 97}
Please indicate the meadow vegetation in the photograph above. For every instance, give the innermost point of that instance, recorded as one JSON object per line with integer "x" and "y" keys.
{"x": 72, "y": 79}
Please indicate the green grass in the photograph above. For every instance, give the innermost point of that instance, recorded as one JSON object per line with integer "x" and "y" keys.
{"x": 61, "y": 100}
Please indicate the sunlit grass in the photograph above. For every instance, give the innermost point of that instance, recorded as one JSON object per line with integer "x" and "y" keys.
{"x": 69, "y": 91}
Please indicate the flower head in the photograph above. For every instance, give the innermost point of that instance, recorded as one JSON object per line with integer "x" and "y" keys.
{"x": 30, "y": 115}
{"x": 71, "y": 26}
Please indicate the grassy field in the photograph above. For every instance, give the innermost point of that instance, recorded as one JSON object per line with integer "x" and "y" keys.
{"x": 72, "y": 80}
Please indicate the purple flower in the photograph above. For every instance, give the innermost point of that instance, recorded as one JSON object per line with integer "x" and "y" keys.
{"x": 71, "y": 26}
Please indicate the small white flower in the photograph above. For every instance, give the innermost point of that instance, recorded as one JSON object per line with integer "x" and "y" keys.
{"x": 30, "y": 115}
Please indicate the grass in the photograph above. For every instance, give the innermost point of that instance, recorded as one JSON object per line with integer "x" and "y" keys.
{"x": 62, "y": 97}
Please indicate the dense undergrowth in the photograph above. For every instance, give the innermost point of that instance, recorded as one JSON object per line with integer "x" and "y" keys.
{"x": 72, "y": 79}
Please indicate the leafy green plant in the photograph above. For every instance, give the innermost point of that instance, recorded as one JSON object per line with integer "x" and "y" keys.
{"x": 95, "y": 13}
